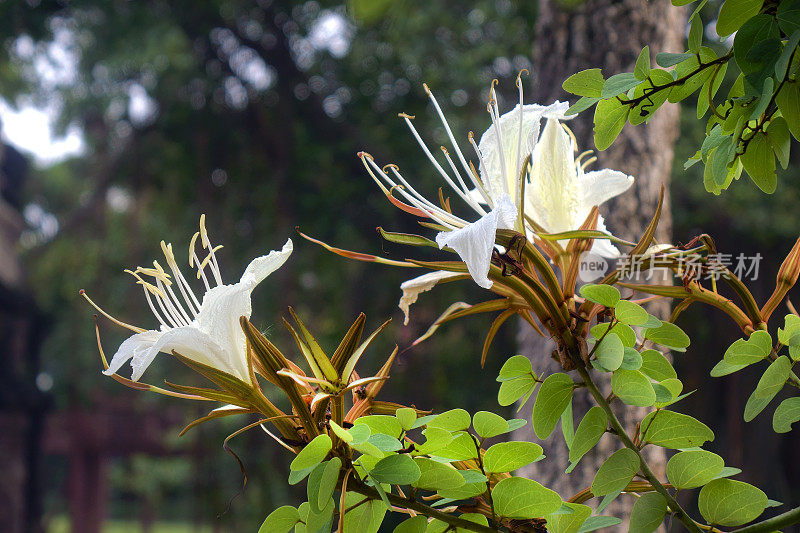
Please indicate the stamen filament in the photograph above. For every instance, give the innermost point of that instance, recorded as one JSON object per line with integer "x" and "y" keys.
{"x": 125, "y": 325}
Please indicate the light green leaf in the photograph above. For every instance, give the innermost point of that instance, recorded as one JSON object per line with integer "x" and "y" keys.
{"x": 631, "y": 360}
{"x": 437, "y": 476}
{"x": 618, "y": 84}
{"x": 786, "y": 414}
{"x": 616, "y": 472}
{"x": 397, "y": 469}
{"x": 452, "y": 420}
{"x": 726, "y": 502}
{"x": 788, "y": 101}
{"x": 656, "y": 366}
{"x": 594, "y": 523}
{"x": 327, "y": 483}
{"x": 313, "y": 453}
{"x": 509, "y": 456}
{"x": 669, "y": 59}
{"x": 759, "y": 162}
{"x": 553, "y": 397}
{"x": 591, "y": 428}
{"x": 435, "y": 439}
{"x": 514, "y": 389}
{"x": 524, "y": 498}
{"x": 630, "y": 313}
{"x": 695, "y": 34}
{"x": 728, "y": 471}
{"x": 723, "y": 368}
{"x": 752, "y": 350}
{"x": 669, "y": 335}
{"x": 669, "y": 429}
{"x": 488, "y": 424}
{"x": 734, "y": 13}
{"x": 415, "y": 524}
{"x": 773, "y": 378}
{"x": 386, "y": 424}
{"x": 568, "y": 522}
{"x": 602, "y": 294}
{"x": 364, "y": 517}
{"x": 515, "y": 367}
{"x": 281, "y": 520}
{"x": 583, "y": 103}
{"x": 385, "y": 443}
{"x": 623, "y": 331}
{"x": 609, "y": 353}
{"x": 693, "y": 468}
{"x": 462, "y": 448}
{"x": 609, "y": 119}
{"x": 633, "y": 388}
{"x": 587, "y": 83}
{"x": 406, "y": 416}
{"x": 642, "y": 68}
{"x": 648, "y": 513}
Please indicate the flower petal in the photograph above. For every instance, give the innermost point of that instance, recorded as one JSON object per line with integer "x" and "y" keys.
{"x": 603, "y": 247}
{"x": 474, "y": 242}
{"x": 133, "y": 347}
{"x": 414, "y": 287}
{"x": 491, "y": 153}
{"x": 261, "y": 267}
{"x": 551, "y": 194}
{"x": 191, "y": 342}
{"x": 599, "y": 186}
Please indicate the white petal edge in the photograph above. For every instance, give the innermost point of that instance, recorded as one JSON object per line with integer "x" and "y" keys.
{"x": 599, "y": 186}
{"x": 135, "y": 346}
{"x": 191, "y": 343}
{"x": 261, "y": 267}
{"x": 474, "y": 242}
{"x": 412, "y": 288}
{"x": 603, "y": 247}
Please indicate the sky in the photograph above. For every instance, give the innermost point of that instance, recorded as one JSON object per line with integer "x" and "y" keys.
{"x": 30, "y": 129}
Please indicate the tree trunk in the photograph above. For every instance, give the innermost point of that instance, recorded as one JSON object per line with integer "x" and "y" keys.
{"x": 608, "y": 34}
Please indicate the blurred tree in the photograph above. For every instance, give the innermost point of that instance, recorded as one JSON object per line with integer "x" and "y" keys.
{"x": 572, "y": 36}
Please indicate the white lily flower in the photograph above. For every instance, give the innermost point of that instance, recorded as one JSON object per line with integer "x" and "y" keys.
{"x": 206, "y": 331}
{"x": 412, "y": 288}
{"x": 559, "y": 195}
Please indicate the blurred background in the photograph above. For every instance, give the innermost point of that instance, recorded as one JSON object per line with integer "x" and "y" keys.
{"x": 123, "y": 121}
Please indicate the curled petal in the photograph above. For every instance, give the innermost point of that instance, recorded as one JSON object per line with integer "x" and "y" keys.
{"x": 474, "y": 242}
{"x": 412, "y": 288}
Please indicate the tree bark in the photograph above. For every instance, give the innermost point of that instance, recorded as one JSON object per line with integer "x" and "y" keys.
{"x": 608, "y": 34}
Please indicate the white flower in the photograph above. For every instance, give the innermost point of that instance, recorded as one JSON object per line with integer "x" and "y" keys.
{"x": 559, "y": 195}
{"x": 412, "y": 288}
{"x": 501, "y": 153}
{"x": 206, "y": 331}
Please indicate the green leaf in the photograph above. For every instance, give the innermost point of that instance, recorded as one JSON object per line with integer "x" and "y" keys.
{"x": 435, "y": 439}
{"x": 398, "y": 469}
{"x": 780, "y": 139}
{"x": 319, "y": 519}
{"x": 406, "y": 416}
{"x": 788, "y": 101}
{"x": 789, "y": 335}
{"x": 435, "y": 475}
{"x": 553, "y": 397}
{"x": 756, "y": 47}
{"x": 616, "y": 472}
{"x": 643, "y": 112}
{"x": 669, "y": 335}
{"x": 723, "y": 368}
{"x": 462, "y": 448}
{"x": 524, "y": 498}
{"x": 633, "y": 388}
{"x": 327, "y": 483}
{"x": 673, "y": 387}
{"x": 386, "y": 424}
{"x": 468, "y": 490}
{"x": 488, "y": 424}
{"x": 693, "y": 468}
{"x": 313, "y": 453}
{"x": 786, "y": 414}
{"x": 788, "y": 16}
{"x": 782, "y": 64}
{"x": 609, "y": 353}
{"x": 752, "y": 350}
{"x": 630, "y": 313}
{"x": 669, "y": 429}
{"x": 609, "y": 119}
{"x": 385, "y": 443}
{"x": 648, "y": 513}
{"x": 594, "y": 523}
{"x": 656, "y": 366}
{"x": 591, "y": 428}
{"x": 728, "y": 471}
{"x": 623, "y": 331}
{"x": 631, "y": 360}
{"x": 642, "y": 68}
{"x": 734, "y": 13}
{"x": 669, "y": 59}
{"x": 695, "y": 34}
{"x": 515, "y": 367}
{"x": 281, "y": 520}
{"x": 769, "y": 385}
{"x": 696, "y": 78}
{"x": 363, "y": 517}
{"x": 726, "y": 502}
{"x": 567, "y": 425}
{"x": 452, "y": 420}
{"x": 415, "y": 524}
{"x": 583, "y": 103}
{"x": 601, "y": 294}
{"x": 568, "y": 522}
{"x": 509, "y": 456}
{"x": 588, "y": 83}
{"x": 514, "y": 389}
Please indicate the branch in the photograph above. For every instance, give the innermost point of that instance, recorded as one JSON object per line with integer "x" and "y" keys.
{"x": 775, "y": 523}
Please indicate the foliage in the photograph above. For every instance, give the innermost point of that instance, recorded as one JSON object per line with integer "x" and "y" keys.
{"x": 747, "y": 129}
